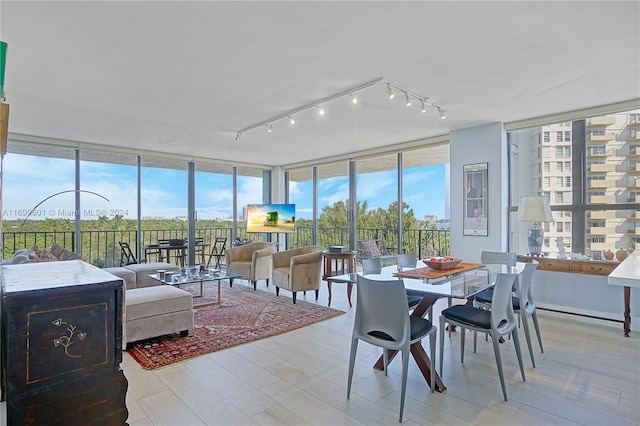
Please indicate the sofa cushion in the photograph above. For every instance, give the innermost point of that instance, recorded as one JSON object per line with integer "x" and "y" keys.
{"x": 127, "y": 275}
{"x": 158, "y": 300}
{"x": 142, "y": 269}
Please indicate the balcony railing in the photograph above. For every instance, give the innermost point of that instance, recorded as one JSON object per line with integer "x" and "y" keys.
{"x": 101, "y": 248}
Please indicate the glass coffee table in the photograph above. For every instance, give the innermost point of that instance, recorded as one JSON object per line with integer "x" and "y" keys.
{"x": 199, "y": 278}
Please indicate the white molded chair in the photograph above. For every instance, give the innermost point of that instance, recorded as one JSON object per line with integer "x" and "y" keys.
{"x": 500, "y": 257}
{"x": 500, "y": 320}
{"x": 372, "y": 266}
{"x": 382, "y": 320}
{"x": 407, "y": 260}
{"x": 523, "y": 305}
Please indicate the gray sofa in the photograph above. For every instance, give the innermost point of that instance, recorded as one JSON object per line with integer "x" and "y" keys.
{"x": 152, "y": 309}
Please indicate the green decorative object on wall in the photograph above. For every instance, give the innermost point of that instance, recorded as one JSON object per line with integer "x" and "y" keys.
{"x": 3, "y": 61}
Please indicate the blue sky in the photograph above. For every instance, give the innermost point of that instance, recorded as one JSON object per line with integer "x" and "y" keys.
{"x": 28, "y": 180}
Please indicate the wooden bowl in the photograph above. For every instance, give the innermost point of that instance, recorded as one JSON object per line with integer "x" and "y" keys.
{"x": 442, "y": 264}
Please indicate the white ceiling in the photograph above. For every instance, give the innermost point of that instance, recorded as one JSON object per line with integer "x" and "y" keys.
{"x": 184, "y": 77}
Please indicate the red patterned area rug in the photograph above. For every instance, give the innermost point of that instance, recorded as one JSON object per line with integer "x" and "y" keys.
{"x": 243, "y": 316}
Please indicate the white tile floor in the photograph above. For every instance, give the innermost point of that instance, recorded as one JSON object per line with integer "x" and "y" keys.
{"x": 589, "y": 374}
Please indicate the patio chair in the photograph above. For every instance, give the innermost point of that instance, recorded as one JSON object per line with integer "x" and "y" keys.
{"x": 126, "y": 254}
{"x": 368, "y": 249}
{"x": 382, "y": 320}
{"x": 217, "y": 251}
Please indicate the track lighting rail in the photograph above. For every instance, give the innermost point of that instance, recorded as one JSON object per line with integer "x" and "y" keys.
{"x": 425, "y": 102}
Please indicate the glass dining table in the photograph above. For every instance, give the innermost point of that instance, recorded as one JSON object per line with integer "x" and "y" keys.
{"x": 456, "y": 285}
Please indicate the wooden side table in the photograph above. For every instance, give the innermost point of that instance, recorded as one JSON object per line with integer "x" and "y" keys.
{"x": 338, "y": 264}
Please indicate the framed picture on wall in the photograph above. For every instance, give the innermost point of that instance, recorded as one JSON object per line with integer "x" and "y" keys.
{"x": 475, "y": 211}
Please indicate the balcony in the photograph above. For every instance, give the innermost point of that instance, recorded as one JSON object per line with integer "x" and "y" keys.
{"x": 598, "y": 154}
{"x": 101, "y": 248}
{"x": 602, "y": 168}
{"x": 608, "y": 136}
{"x": 634, "y": 124}
{"x": 603, "y": 121}
{"x": 600, "y": 246}
{"x": 602, "y": 199}
{"x": 601, "y": 230}
{"x": 601, "y": 183}
{"x": 604, "y": 214}
{"x": 634, "y": 168}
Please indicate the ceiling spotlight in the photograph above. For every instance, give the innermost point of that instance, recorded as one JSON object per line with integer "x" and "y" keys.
{"x": 407, "y": 99}
{"x": 291, "y": 120}
{"x": 268, "y": 127}
{"x": 390, "y": 92}
{"x": 320, "y": 110}
{"x": 354, "y": 99}
{"x": 238, "y": 136}
{"x": 443, "y": 113}
{"x": 424, "y": 108}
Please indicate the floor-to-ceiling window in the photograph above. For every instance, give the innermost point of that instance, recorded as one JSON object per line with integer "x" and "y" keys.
{"x": 425, "y": 193}
{"x": 38, "y": 197}
{"x": 213, "y": 201}
{"x": 377, "y": 199}
{"x": 301, "y": 194}
{"x": 587, "y": 168}
{"x": 250, "y": 190}
{"x": 109, "y": 208}
{"x": 333, "y": 204}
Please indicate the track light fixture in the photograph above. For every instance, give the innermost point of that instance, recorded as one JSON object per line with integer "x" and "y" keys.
{"x": 390, "y": 92}
{"x": 391, "y": 89}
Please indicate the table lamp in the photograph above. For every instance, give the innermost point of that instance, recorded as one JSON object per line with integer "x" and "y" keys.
{"x": 534, "y": 208}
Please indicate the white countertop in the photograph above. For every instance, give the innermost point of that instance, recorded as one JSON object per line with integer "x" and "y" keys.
{"x": 628, "y": 272}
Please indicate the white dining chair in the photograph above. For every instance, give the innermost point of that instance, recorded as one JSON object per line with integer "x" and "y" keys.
{"x": 497, "y": 322}
{"x": 407, "y": 261}
{"x": 372, "y": 266}
{"x": 523, "y": 305}
{"x": 382, "y": 320}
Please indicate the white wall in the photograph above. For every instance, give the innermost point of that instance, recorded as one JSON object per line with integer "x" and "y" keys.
{"x": 481, "y": 144}
{"x": 584, "y": 294}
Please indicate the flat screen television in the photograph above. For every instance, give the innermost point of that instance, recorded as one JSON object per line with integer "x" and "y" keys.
{"x": 271, "y": 217}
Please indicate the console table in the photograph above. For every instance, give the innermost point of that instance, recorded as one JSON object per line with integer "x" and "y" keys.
{"x": 576, "y": 266}
{"x": 603, "y": 268}
{"x": 61, "y": 335}
{"x": 338, "y": 264}
{"x": 627, "y": 274}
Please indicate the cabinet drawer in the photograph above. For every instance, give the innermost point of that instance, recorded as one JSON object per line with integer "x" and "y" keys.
{"x": 593, "y": 269}
{"x": 550, "y": 265}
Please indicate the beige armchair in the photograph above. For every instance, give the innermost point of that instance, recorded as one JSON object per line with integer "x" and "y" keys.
{"x": 298, "y": 269}
{"x": 252, "y": 261}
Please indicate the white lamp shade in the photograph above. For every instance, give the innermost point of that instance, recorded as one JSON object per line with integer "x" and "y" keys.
{"x": 534, "y": 208}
